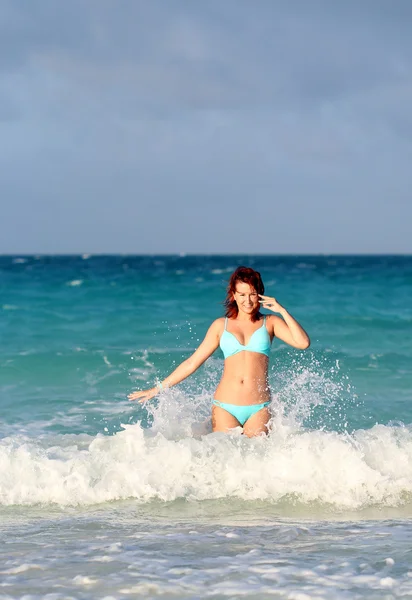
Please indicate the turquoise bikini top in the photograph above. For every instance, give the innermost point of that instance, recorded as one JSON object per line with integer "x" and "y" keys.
{"x": 259, "y": 342}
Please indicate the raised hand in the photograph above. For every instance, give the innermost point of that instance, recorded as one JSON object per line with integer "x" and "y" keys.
{"x": 144, "y": 395}
{"x": 270, "y": 303}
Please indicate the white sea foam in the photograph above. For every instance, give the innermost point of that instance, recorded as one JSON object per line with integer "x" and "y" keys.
{"x": 10, "y": 307}
{"x": 177, "y": 458}
{"x": 75, "y": 282}
{"x": 20, "y": 569}
{"x": 221, "y": 271}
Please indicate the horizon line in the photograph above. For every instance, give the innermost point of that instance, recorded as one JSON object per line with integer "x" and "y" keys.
{"x": 188, "y": 254}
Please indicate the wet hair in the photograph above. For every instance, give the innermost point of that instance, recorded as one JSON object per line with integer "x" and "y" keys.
{"x": 243, "y": 275}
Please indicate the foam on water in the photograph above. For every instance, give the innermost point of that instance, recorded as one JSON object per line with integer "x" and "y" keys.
{"x": 303, "y": 560}
{"x": 179, "y": 457}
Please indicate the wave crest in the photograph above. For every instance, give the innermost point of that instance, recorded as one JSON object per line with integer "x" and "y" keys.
{"x": 369, "y": 467}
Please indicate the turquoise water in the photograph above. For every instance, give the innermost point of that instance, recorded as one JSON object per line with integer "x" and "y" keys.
{"x": 80, "y": 465}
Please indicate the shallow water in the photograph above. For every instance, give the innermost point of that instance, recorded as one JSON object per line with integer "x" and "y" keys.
{"x": 104, "y": 498}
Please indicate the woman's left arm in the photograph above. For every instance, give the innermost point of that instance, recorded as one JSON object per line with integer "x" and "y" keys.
{"x": 287, "y": 328}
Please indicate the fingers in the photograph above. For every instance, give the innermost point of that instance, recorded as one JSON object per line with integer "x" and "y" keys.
{"x": 267, "y": 298}
{"x": 142, "y": 396}
{"x": 136, "y": 395}
{"x": 133, "y": 397}
{"x": 269, "y": 302}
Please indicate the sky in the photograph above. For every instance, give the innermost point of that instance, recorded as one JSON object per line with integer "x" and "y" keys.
{"x": 235, "y": 126}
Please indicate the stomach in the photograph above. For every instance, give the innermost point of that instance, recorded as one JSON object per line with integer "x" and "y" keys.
{"x": 244, "y": 380}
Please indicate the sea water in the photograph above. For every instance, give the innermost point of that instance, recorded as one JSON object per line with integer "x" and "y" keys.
{"x": 105, "y": 498}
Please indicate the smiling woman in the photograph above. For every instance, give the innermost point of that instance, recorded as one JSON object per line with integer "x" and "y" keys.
{"x": 245, "y": 335}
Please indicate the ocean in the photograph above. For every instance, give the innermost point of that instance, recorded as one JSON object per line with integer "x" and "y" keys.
{"x": 102, "y": 498}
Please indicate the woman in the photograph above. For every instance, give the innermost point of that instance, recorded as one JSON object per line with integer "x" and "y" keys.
{"x": 245, "y": 336}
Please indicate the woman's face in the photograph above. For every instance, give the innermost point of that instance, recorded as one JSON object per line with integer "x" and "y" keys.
{"x": 246, "y": 298}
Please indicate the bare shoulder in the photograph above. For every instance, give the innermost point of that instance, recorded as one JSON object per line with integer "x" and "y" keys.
{"x": 218, "y": 325}
{"x": 273, "y": 321}
{"x": 273, "y": 318}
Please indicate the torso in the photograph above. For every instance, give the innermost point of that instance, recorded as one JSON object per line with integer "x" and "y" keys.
{"x": 245, "y": 375}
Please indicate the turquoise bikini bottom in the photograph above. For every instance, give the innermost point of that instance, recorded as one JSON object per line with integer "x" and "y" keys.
{"x": 241, "y": 413}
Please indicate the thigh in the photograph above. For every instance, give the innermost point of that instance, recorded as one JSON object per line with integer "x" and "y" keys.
{"x": 257, "y": 423}
{"x": 223, "y": 420}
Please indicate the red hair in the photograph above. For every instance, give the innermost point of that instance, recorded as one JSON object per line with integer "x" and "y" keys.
{"x": 244, "y": 275}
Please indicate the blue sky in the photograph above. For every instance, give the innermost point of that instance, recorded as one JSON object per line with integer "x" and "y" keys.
{"x": 229, "y": 126}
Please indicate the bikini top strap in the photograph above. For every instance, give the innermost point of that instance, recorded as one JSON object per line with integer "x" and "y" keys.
{"x": 225, "y": 323}
{"x": 264, "y": 319}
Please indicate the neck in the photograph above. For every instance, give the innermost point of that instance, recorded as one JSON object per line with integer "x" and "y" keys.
{"x": 246, "y": 316}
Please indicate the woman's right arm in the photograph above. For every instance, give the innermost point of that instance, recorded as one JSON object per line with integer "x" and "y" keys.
{"x": 188, "y": 366}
